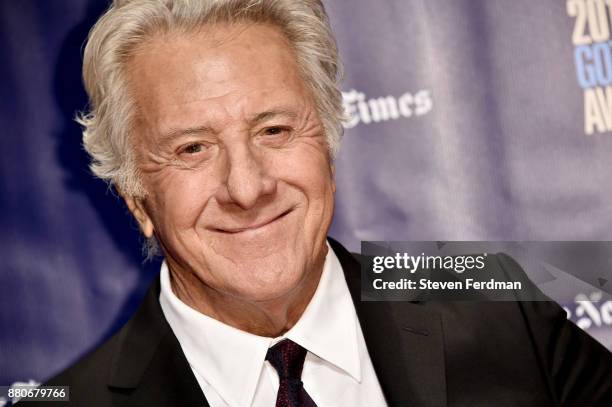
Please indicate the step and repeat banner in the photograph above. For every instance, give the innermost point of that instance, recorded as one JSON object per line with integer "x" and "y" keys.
{"x": 468, "y": 120}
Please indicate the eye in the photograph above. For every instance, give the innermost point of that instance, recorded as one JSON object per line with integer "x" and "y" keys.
{"x": 193, "y": 148}
{"x": 275, "y": 136}
{"x": 274, "y": 131}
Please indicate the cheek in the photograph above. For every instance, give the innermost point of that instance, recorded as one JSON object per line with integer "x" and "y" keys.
{"x": 310, "y": 173}
{"x": 180, "y": 198}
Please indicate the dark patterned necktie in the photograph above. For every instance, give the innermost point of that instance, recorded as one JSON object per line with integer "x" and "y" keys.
{"x": 287, "y": 357}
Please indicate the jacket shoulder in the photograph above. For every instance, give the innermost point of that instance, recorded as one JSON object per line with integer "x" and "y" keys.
{"x": 87, "y": 379}
{"x": 92, "y": 369}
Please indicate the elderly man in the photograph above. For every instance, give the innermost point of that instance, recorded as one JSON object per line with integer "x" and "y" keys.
{"x": 217, "y": 122}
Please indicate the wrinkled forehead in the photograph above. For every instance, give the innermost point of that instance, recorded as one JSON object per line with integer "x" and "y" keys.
{"x": 225, "y": 69}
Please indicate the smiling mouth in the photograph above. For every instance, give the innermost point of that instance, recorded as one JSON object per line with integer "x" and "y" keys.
{"x": 232, "y": 231}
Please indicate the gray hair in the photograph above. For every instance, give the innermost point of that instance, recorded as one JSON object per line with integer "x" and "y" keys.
{"x": 128, "y": 23}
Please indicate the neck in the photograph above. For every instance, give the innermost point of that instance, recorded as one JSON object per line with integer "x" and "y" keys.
{"x": 269, "y": 318}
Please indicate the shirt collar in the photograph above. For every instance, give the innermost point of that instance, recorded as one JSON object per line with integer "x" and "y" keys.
{"x": 328, "y": 326}
{"x": 229, "y": 359}
{"x": 232, "y": 360}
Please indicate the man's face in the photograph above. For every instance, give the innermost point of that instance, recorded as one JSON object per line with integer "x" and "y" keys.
{"x": 233, "y": 158}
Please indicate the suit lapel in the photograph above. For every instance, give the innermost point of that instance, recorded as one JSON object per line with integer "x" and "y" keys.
{"x": 404, "y": 340}
{"x": 149, "y": 367}
{"x": 169, "y": 380}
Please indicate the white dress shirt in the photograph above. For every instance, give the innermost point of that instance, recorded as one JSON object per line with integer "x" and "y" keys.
{"x": 230, "y": 364}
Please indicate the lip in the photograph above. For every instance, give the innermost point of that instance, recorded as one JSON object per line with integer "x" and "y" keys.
{"x": 235, "y": 230}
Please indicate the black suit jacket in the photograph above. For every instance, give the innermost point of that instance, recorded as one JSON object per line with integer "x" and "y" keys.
{"x": 425, "y": 354}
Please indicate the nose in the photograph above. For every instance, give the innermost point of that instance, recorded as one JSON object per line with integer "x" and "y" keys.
{"x": 246, "y": 180}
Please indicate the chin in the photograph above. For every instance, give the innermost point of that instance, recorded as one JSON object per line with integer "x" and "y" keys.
{"x": 265, "y": 281}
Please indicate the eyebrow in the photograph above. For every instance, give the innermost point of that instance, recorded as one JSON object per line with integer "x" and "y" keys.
{"x": 174, "y": 133}
{"x": 252, "y": 121}
{"x": 263, "y": 116}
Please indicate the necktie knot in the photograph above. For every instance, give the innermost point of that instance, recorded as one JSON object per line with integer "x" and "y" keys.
{"x": 287, "y": 357}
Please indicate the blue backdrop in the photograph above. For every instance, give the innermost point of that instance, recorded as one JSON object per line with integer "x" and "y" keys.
{"x": 469, "y": 120}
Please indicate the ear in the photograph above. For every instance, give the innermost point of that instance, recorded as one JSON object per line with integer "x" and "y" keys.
{"x": 137, "y": 207}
